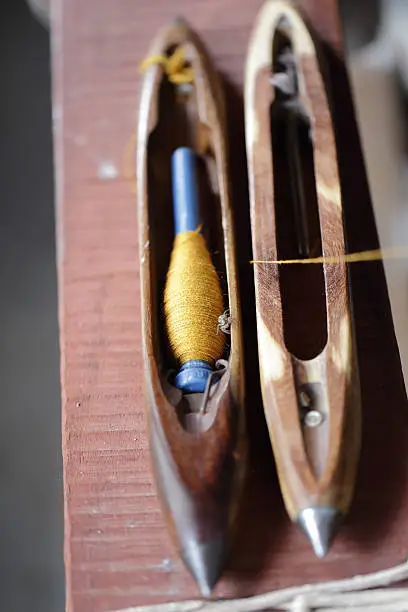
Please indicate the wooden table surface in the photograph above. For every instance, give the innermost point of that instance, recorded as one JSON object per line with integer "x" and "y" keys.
{"x": 118, "y": 552}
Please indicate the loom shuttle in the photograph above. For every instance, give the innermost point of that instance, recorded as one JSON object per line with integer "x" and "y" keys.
{"x": 310, "y": 382}
{"x": 197, "y": 439}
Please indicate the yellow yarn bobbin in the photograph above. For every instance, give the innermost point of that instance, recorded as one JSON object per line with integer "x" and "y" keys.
{"x": 193, "y": 301}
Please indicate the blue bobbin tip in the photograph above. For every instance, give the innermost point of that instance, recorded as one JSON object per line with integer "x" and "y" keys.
{"x": 192, "y": 376}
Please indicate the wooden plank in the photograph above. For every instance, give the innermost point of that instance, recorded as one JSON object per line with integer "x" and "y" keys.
{"x": 117, "y": 550}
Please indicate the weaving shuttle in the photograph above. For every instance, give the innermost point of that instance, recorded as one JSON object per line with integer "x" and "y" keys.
{"x": 307, "y": 355}
{"x": 197, "y": 433}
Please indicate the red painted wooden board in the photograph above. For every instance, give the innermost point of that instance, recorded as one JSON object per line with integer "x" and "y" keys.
{"x": 118, "y": 552}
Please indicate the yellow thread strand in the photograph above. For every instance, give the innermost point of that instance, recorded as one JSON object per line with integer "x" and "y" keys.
{"x": 193, "y": 301}
{"x": 152, "y": 60}
{"x": 176, "y": 61}
{"x": 397, "y": 252}
{"x": 175, "y": 66}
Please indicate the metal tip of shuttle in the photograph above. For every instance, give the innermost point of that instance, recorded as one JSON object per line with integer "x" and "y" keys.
{"x": 320, "y": 524}
{"x": 205, "y": 561}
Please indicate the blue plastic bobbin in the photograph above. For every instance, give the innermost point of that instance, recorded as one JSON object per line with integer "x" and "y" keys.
{"x": 193, "y": 375}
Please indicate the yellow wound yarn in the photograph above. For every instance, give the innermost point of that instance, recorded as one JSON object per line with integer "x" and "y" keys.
{"x": 193, "y": 301}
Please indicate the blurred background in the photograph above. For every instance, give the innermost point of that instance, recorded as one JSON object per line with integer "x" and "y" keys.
{"x": 31, "y": 506}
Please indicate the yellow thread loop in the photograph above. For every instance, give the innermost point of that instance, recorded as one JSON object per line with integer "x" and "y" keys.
{"x": 193, "y": 301}
{"x": 175, "y": 66}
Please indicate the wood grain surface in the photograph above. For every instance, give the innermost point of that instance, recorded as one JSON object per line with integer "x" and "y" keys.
{"x": 118, "y": 552}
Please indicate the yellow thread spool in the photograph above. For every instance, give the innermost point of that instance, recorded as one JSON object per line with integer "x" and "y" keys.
{"x": 192, "y": 296}
{"x": 193, "y": 301}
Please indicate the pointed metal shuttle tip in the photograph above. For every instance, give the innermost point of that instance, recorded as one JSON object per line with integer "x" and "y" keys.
{"x": 205, "y": 562}
{"x": 320, "y": 524}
